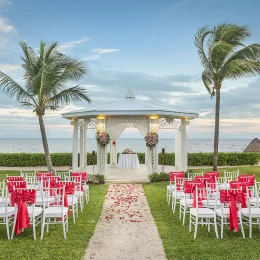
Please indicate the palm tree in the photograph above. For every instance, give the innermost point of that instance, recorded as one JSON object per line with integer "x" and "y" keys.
{"x": 45, "y": 76}
{"x": 227, "y": 57}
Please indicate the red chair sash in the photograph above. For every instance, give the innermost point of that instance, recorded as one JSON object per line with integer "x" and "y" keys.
{"x": 238, "y": 185}
{"x": 172, "y": 175}
{"x": 213, "y": 174}
{"x": 11, "y": 187}
{"x": 43, "y": 174}
{"x": 190, "y": 188}
{"x": 21, "y": 198}
{"x": 14, "y": 178}
{"x": 231, "y": 197}
{"x": 250, "y": 178}
{"x": 82, "y": 174}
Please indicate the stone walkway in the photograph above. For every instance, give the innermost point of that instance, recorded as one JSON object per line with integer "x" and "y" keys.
{"x": 126, "y": 229}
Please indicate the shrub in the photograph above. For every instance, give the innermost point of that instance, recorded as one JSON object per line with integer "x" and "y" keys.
{"x": 65, "y": 159}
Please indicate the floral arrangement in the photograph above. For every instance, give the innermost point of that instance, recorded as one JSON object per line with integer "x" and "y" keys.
{"x": 151, "y": 139}
{"x": 103, "y": 138}
{"x": 128, "y": 151}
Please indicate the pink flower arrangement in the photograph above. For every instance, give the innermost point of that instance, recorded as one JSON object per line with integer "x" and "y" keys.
{"x": 103, "y": 138}
{"x": 151, "y": 139}
{"x": 127, "y": 151}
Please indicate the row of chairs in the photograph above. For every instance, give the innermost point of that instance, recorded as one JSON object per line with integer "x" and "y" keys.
{"x": 41, "y": 198}
{"x": 208, "y": 202}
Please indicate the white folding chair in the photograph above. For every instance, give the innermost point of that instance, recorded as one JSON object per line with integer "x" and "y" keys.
{"x": 34, "y": 213}
{"x": 222, "y": 183}
{"x": 223, "y": 213}
{"x": 55, "y": 212}
{"x": 178, "y": 192}
{"x": 8, "y": 214}
{"x": 170, "y": 188}
{"x": 200, "y": 213}
{"x": 28, "y": 173}
{"x": 63, "y": 175}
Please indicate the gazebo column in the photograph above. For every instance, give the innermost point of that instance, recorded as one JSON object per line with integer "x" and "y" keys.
{"x": 181, "y": 151}
{"x": 153, "y": 122}
{"x": 101, "y": 150}
{"x": 83, "y": 135}
{"x": 75, "y": 125}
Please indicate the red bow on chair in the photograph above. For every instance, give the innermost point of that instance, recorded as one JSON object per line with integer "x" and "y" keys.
{"x": 21, "y": 198}
{"x": 11, "y": 187}
{"x": 238, "y": 185}
{"x": 250, "y": 178}
{"x": 231, "y": 197}
{"x": 190, "y": 187}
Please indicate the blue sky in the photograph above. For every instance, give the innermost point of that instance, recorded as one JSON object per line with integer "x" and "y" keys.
{"x": 147, "y": 46}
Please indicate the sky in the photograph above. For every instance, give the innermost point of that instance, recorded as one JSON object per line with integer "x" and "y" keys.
{"x": 146, "y": 46}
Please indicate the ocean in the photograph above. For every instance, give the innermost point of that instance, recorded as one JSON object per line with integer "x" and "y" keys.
{"x": 62, "y": 145}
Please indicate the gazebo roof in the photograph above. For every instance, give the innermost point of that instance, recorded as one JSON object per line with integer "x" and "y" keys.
{"x": 129, "y": 106}
{"x": 254, "y": 146}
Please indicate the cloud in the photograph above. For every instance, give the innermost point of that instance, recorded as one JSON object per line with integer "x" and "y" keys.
{"x": 9, "y": 67}
{"x": 99, "y": 52}
{"x": 69, "y": 45}
{"x": 6, "y": 27}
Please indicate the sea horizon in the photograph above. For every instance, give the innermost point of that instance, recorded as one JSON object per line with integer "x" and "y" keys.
{"x": 62, "y": 145}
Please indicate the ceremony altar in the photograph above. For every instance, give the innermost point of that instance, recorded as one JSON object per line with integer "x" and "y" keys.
{"x": 128, "y": 161}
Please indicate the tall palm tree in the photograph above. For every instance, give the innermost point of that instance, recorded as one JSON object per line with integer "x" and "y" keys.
{"x": 226, "y": 57}
{"x": 45, "y": 76}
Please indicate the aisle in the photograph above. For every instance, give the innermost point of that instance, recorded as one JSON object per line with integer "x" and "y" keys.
{"x": 126, "y": 229}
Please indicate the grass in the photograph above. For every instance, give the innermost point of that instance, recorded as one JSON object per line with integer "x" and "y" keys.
{"x": 54, "y": 246}
{"x": 179, "y": 243}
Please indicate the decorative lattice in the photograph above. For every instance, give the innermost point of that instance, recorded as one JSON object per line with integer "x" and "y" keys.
{"x": 90, "y": 125}
{"x": 169, "y": 123}
{"x": 134, "y": 120}
{"x": 101, "y": 159}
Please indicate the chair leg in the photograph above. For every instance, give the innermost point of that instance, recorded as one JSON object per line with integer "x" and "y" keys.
{"x": 215, "y": 225}
{"x": 63, "y": 227}
{"x": 73, "y": 212}
{"x": 190, "y": 224}
{"x": 34, "y": 229}
{"x": 184, "y": 215}
{"x": 7, "y": 227}
{"x": 196, "y": 227}
{"x": 15, "y": 217}
{"x": 42, "y": 226}
{"x": 77, "y": 210}
{"x": 250, "y": 227}
{"x": 241, "y": 226}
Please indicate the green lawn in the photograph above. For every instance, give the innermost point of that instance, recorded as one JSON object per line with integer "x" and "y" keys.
{"x": 179, "y": 243}
{"x": 54, "y": 246}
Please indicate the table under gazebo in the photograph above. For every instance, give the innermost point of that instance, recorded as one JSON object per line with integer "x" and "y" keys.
{"x": 129, "y": 112}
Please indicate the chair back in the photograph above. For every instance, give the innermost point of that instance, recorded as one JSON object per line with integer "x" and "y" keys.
{"x": 69, "y": 186}
{"x": 215, "y": 174}
{"x": 82, "y": 174}
{"x": 233, "y": 175}
{"x": 63, "y": 175}
{"x": 192, "y": 175}
{"x": 28, "y": 173}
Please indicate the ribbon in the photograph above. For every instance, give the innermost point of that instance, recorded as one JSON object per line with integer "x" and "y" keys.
{"x": 172, "y": 175}
{"x": 215, "y": 174}
{"x": 250, "y": 178}
{"x": 14, "y": 178}
{"x": 82, "y": 174}
{"x": 21, "y": 198}
{"x": 190, "y": 188}
{"x": 231, "y": 197}
{"x": 245, "y": 186}
{"x": 15, "y": 185}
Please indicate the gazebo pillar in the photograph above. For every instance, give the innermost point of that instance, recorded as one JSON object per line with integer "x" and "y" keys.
{"x": 83, "y": 136}
{"x": 181, "y": 151}
{"x": 75, "y": 125}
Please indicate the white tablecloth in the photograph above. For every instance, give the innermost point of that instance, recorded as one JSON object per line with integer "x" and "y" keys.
{"x": 128, "y": 161}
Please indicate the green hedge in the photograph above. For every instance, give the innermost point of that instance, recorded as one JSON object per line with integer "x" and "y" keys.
{"x": 65, "y": 159}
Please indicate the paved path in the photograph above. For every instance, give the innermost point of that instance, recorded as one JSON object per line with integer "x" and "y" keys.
{"x": 126, "y": 229}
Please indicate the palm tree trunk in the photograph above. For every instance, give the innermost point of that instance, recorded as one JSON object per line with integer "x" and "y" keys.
{"x": 45, "y": 144}
{"x": 216, "y": 136}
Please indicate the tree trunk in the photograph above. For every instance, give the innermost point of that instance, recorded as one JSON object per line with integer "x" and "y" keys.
{"x": 216, "y": 136}
{"x": 45, "y": 144}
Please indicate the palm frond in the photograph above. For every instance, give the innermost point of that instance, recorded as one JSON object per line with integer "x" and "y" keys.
{"x": 199, "y": 43}
{"x": 13, "y": 89}
{"x": 218, "y": 53}
{"x": 76, "y": 93}
{"x": 208, "y": 81}
{"x": 27, "y": 104}
{"x": 238, "y": 68}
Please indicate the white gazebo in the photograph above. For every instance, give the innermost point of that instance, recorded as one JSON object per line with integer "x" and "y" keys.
{"x": 115, "y": 117}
